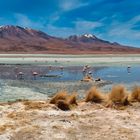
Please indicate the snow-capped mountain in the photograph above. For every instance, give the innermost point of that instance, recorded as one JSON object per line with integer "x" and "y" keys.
{"x": 9, "y": 31}
{"x": 90, "y": 36}
{"x": 85, "y": 38}
{"x": 16, "y": 39}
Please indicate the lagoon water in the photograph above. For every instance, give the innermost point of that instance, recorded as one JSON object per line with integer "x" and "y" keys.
{"x": 116, "y": 74}
{"x": 39, "y": 87}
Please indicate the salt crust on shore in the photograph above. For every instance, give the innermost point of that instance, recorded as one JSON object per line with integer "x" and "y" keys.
{"x": 43, "y": 121}
{"x": 69, "y": 59}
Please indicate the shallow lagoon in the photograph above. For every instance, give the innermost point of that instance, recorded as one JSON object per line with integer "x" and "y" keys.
{"x": 116, "y": 74}
{"x": 107, "y": 67}
{"x": 42, "y": 87}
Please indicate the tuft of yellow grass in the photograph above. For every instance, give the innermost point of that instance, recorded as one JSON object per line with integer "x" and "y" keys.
{"x": 135, "y": 95}
{"x": 62, "y": 95}
{"x": 64, "y": 101}
{"x": 94, "y": 95}
{"x": 71, "y": 99}
{"x": 63, "y": 105}
{"x": 118, "y": 96}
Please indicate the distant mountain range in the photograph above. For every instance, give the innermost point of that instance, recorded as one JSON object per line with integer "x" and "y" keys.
{"x": 16, "y": 39}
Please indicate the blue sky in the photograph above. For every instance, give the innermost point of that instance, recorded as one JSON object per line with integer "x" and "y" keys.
{"x": 113, "y": 20}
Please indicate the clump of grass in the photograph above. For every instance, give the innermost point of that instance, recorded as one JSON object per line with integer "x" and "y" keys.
{"x": 118, "y": 96}
{"x": 63, "y": 105}
{"x": 94, "y": 95}
{"x": 71, "y": 99}
{"x": 64, "y": 101}
{"x": 62, "y": 95}
{"x": 135, "y": 95}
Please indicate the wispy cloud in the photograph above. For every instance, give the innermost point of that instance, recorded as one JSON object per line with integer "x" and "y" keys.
{"x": 87, "y": 26}
{"x": 67, "y": 5}
{"x": 125, "y": 29}
{"x": 25, "y": 21}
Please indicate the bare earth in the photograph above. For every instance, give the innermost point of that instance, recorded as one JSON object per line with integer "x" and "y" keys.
{"x": 38, "y": 120}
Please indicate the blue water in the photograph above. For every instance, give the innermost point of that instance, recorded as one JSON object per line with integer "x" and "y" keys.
{"x": 116, "y": 74}
{"x": 38, "y": 87}
{"x": 119, "y": 74}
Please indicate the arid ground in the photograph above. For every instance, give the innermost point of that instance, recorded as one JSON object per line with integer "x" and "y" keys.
{"x": 38, "y": 120}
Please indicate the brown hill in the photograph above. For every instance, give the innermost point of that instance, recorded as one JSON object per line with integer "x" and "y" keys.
{"x": 15, "y": 39}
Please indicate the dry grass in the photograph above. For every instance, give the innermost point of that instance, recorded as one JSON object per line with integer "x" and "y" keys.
{"x": 118, "y": 96}
{"x": 4, "y": 127}
{"x": 64, "y": 101}
{"x": 27, "y": 133}
{"x": 12, "y": 115}
{"x": 22, "y": 118}
{"x": 63, "y": 105}
{"x": 18, "y": 115}
{"x": 135, "y": 95}
{"x": 62, "y": 95}
{"x": 94, "y": 95}
{"x": 34, "y": 105}
{"x": 71, "y": 99}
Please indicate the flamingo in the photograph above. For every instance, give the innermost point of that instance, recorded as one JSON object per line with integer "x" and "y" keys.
{"x": 20, "y": 74}
{"x": 34, "y": 73}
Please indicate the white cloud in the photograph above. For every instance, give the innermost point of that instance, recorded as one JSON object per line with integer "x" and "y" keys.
{"x": 22, "y": 20}
{"x": 67, "y": 5}
{"x": 125, "y": 29}
{"x": 86, "y": 26}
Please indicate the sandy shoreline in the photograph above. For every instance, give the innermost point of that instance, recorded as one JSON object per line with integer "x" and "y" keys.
{"x": 88, "y": 121}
